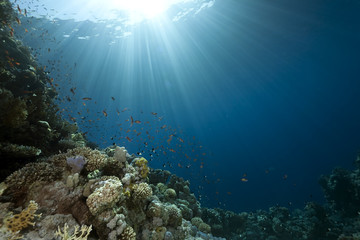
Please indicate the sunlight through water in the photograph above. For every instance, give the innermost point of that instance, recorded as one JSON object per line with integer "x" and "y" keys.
{"x": 124, "y": 11}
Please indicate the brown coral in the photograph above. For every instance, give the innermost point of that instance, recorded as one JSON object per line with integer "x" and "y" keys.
{"x": 19, "y": 181}
{"x": 141, "y": 191}
{"x": 128, "y": 234}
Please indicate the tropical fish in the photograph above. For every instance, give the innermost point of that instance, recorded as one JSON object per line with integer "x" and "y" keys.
{"x": 86, "y": 98}
{"x": 105, "y": 113}
{"x": 170, "y": 138}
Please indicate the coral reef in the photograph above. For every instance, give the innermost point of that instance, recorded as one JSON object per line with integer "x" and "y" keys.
{"x": 14, "y": 223}
{"x": 114, "y": 195}
{"x": 338, "y": 219}
{"x": 30, "y": 127}
{"x": 342, "y": 190}
{"x": 124, "y": 206}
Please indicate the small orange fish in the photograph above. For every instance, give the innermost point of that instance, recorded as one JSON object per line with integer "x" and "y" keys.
{"x": 132, "y": 121}
{"x": 163, "y": 126}
{"x": 26, "y": 30}
{"x": 86, "y": 98}
{"x": 105, "y": 113}
{"x": 17, "y": 63}
{"x": 19, "y": 8}
{"x": 244, "y": 179}
{"x": 129, "y": 139}
{"x": 170, "y": 138}
{"x": 18, "y": 20}
{"x": 181, "y": 140}
{"x": 153, "y": 113}
{"x": 125, "y": 109}
{"x": 172, "y": 150}
{"x": 137, "y": 121}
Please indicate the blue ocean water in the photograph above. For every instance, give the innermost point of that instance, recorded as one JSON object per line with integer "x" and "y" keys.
{"x": 251, "y": 101}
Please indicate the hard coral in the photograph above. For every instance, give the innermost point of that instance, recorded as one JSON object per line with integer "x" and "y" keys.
{"x": 141, "y": 164}
{"x": 105, "y": 196}
{"x": 81, "y": 234}
{"x": 19, "y": 181}
{"x": 128, "y": 234}
{"x": 141, "y": 191}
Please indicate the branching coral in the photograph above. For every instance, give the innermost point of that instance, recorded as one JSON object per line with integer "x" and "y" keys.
{"x": 79, "y": 234}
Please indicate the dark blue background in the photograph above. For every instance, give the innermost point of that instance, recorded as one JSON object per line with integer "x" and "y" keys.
{"x": 267, "y": 88}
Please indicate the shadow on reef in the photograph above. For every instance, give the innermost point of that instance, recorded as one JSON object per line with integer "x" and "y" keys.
{"x": 30, "y": 127}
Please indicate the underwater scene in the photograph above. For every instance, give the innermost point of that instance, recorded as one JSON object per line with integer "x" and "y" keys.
{"x": 180, "y": 119}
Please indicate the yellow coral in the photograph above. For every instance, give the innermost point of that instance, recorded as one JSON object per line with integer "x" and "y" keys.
{"x": 17, "y": 222}
{"x": 142, "y": 164}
